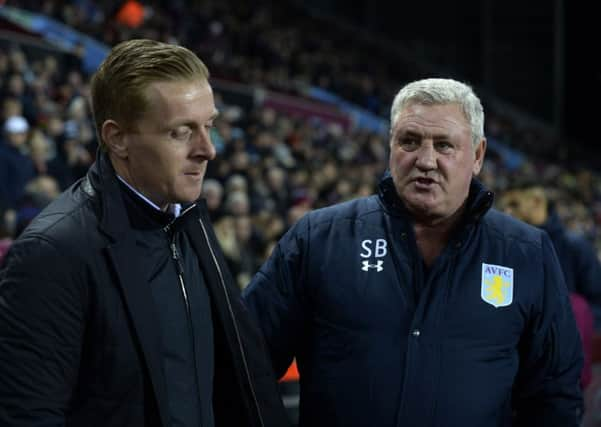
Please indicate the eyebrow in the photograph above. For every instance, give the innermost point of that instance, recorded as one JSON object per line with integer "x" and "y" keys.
{"x": 410, "y": 132}
{"x": 192, "y": 123}
{"x": 415, "y": 133}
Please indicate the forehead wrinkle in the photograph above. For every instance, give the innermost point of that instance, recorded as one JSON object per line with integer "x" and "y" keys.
{"x": 435, "y": 116}
{"x": 415, "y": 120}
{"x": 435, "y": 132}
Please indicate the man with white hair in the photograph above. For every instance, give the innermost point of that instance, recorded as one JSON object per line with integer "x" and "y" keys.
{"x": 421, "y": 305}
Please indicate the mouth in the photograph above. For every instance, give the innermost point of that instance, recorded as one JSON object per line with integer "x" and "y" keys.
{"x": 195, "y": 176}
{"x": 424, "y": 180}
{"x": 424, "y": 183}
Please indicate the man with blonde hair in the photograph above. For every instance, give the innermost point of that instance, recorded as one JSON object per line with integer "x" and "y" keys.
{"x": 116, "y": 306}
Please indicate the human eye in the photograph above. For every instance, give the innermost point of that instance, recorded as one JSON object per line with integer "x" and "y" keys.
{"x": 180, "y": 133}
{"x": 409, "y": 143}
{"x": 443, "y": 146}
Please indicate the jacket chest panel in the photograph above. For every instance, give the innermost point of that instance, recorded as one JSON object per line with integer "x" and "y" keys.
{"x": 359, "y": 273}
{"x": 119, "y": 352}
{"x": 483, "y": 313}
{"x": 487, "y": 300}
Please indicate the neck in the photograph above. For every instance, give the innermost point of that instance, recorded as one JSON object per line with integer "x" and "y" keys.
{"x": 432, "y": 236}
{"x": 122, "y": 172}
{"x": 539, "y": 216}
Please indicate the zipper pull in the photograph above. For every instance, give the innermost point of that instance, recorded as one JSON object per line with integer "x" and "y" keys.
{"x": 175, "y": 256}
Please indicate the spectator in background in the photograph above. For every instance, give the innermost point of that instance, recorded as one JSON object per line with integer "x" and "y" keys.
{"x": 212, "y": 191}
{"x": 79, "y": 137}
{"x": 11, "y": 107}
{"x": 422, "y": 305}
{"x": 237, "y": 203}
{"x": 16, "y": 167}
{"x": 582, "y": 269}
{"x": 240, "y": 244}
{"x": 579, "y": 263}
{"x": 46, "y": 161}
{"x": 279, "y": 192}
{"x": 39, "y": 192}
{"x": 117, "y": 306}
{"x": 5, "y": 235}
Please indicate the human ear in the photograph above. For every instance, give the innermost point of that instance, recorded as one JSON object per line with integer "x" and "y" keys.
{"x": 479, "y": 151}
{"x": 114, "y": 139}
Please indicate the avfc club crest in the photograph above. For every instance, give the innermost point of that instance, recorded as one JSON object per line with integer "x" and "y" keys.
{"x": 497, "y": 285}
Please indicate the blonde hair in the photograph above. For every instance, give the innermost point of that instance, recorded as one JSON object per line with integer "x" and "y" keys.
{"x": 118, "y": 86}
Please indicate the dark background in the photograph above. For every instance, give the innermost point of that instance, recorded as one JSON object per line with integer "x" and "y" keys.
{"x": 539, "y": 56}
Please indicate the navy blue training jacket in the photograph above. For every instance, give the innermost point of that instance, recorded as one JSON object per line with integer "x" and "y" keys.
{"x": 485, "y": 338}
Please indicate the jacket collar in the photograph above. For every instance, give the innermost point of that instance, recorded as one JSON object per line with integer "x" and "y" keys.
{"x": 102, "y": 183}
{"x": 479, "y": 199}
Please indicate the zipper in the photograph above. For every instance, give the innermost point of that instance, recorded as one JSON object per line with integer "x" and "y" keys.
{"x": 440, "y": 318}
{"x": 180, "y": 275}
{"x": 231, "y": 311}
{"x": 418, "y": 290}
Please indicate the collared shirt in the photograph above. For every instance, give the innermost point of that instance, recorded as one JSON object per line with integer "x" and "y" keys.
{"x": 173, "y": 208}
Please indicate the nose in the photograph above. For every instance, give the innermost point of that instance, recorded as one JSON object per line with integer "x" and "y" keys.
{"x": 203, "y": 146}
{"x": 426, "y": 157}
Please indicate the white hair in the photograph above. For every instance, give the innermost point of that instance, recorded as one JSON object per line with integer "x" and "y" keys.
{"x": 441, "y": 92}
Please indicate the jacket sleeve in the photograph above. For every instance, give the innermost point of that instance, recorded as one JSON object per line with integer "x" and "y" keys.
{"x": 547, "y": 390}
{"x": 276, "y": 298}
{"x": 41, "y": 328}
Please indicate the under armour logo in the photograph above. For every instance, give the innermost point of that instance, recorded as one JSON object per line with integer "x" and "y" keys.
{"x": 377, "y": 265}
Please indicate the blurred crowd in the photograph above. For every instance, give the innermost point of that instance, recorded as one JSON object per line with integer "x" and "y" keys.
{"x": 268, "y": 44}
{"x": 271, "y": 167}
